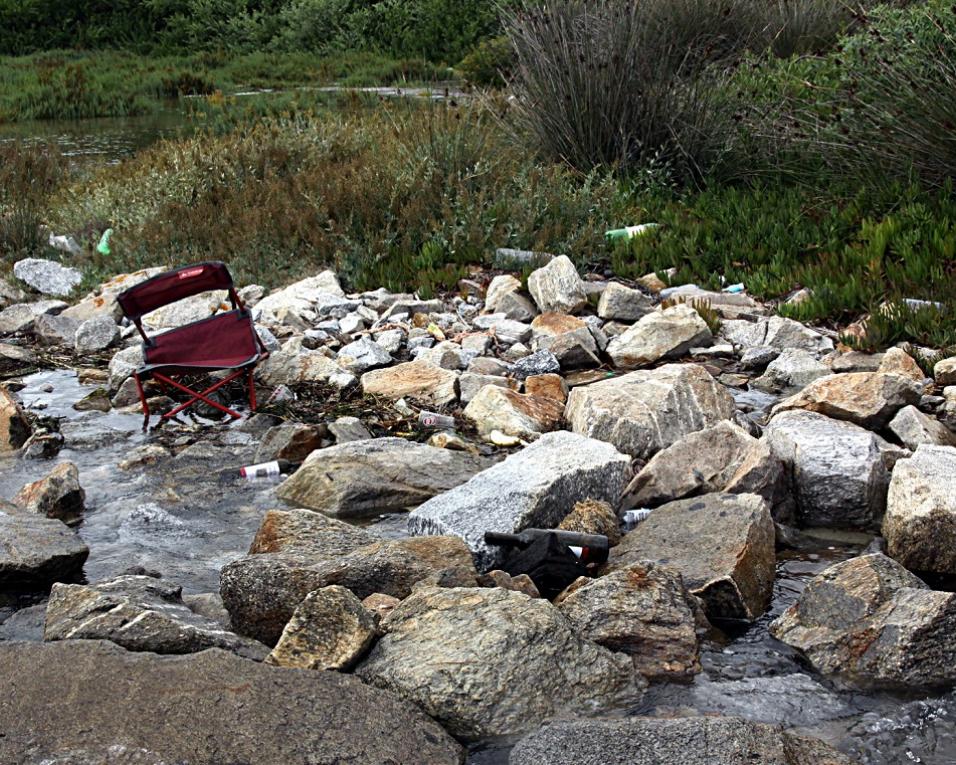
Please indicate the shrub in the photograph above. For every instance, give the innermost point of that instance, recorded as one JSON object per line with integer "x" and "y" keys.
{"x": 28, "y": 177}
{"x": 489, "y": 64}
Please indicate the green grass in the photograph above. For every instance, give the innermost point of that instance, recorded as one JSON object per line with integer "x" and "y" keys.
{"x": 74, "y": 85}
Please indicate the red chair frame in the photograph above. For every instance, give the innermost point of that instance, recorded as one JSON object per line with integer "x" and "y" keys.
{"x": 223, "y": 341}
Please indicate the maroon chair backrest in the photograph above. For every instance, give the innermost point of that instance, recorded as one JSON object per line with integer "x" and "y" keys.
{"x": 171, "y": 286}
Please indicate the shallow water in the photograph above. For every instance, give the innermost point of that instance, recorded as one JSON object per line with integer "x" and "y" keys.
{"x": 181, "y": 519}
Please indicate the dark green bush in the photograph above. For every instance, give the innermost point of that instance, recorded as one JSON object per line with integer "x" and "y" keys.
{"x": 489, "y": 64}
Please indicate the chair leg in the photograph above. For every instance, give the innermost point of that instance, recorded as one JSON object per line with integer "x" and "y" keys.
{"x": 252, "y": 392}
{"x": 204, "y": 396}
{"x": 142, "y": 400}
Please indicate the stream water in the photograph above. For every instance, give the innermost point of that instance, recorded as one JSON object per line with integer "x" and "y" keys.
{"x": 183, "y": 520}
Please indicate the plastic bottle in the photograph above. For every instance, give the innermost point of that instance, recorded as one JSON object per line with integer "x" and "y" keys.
{"x": 435, "y": 420}
{"x": 629, "y": 232}
{"x": 103, "y": 248}
{"x": 634, "y": 517}
{"x": 266, "y": 469}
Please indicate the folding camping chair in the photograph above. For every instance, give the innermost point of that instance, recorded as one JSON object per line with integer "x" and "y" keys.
{"x": 224, "y": 341}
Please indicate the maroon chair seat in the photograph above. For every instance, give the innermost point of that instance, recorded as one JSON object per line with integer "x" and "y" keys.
{"x": 223, "y": 342}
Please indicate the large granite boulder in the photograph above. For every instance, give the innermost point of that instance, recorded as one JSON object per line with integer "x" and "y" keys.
{"x": 47, "y": 276}
{"x": 642, "y": 610}
{"x": 418, "y": 380}
{"x": 868, "y": 399}
{"x": 793, "y": 368}
{"x": 293, "y": 441}
{"x": 20, "y": 317}
{"x": 536, "y": 487}
{"x": 622, "y": 303}
{"x": 362, "y": 478}
{"x": 56, "y": 495}
{"x": 35, "y": 550}
{"x": 557, "y": 286}
{"x": 720, "y": 458}
{"x": 776, "y": 332}
{"x": 871, "y": 621}
{"x": 648, "y": 410}
{"x": 294, "y": 364}
{"x": 839, "y": 471}
{"x": 261, "y": 592}
{"x": 309, "y": 533}
{"x": 15, "y": 428}
{"x": 139, "y": 613}
{"x": 688, "y": 741}
{"x": 88, "y": 702}
{"x": 490, "y": 661}
{"x": 920, "y": 521}
{"x": 95, "y": 334}
{"x": 666, "y": 334}
{"x": 913, "y": 428}
{"x": 722, "y": 544}
{"x": 495, "y": 408}
{"x": 330, "y": 629}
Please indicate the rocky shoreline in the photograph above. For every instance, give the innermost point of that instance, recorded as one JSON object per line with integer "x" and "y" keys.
{"x": 572, "y": 402}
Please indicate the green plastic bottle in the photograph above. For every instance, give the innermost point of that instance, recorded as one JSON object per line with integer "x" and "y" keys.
{"x": 629, "y": 232}
{"x": 103, "y": 248}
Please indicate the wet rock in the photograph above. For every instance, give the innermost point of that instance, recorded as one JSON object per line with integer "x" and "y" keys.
{"x": 123, "y": 364}
{"x": 307, "y": 533}
{"x": 362, "y": 355}
{"x": 666, "y": 334}
{"x": 920, "y": 521}
{"x": 210, "y": 707}
{"x": 294, "y": 364}
{"x": 945, "y": 371}
{"x": 58, "y": 495}
{"x": 689, "y": 741}
{"x": 868, "y": 399}
{"x": 839, "y": 471}
{"x": 535, "y": 487}
{"x": 913, "y": 428}
{"x": 55, "y": 329}
{"x": 871, "y": 621}
{"x": 262, "y": 591}
{"x": 593, "y": 516}
{"x": 558, "y": 287}
{"x": 516, "y": 414}
{"x": 330, "y": 629}
{"x": 521, "y": 583}
{"x": 722, "y": 544}
{"x": 362, "y": 478}
{"x": 415, "y": 379}
{"x": 139, "y": 613}
{"x": 97, "y": 400}
{"x": 47, "y": 276}
{"x": 20, "y": 317}
{"x": 25, "y": 624}
{"x": 623, "y": 303}
{"x": 720, "y": 458}
{"x": 540, "y": 363}
{"x": 896, "y": 361}
{"x": 776, "y": 332}
{"x": 470, "y": 384}
{"x": 96, "y": 334}
{"x": 15, "y": 428}
{"x": 642, "y": 610}
{"x": 35, "y": 550}
{"x": 293, "y": 441}
{"x": 89, "y": 432}
{"x": 793, "y": 368}
{"x": 648, "y": 410}
{"x": 209, "y": 605}
{"x": 102, "y": 302}
{"x": 346, "y": 429}
{"x": 515, "y": 658}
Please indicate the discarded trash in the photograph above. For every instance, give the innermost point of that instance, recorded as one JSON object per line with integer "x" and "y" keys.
{"x": 592, "y": 548}
{"x": 65, "y": 243}
{"x": 916, "y": 305}
{"x": 734, "y": 288}
{"x": 265, "y": 469}
{"x": 103, "y": 248}
{"x": 435, "y": 420}
{"x": 629, "y": 232}
{"x": 634, "y": 517}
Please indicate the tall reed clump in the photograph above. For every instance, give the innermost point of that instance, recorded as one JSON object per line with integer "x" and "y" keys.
{"x": 28, "y": 177}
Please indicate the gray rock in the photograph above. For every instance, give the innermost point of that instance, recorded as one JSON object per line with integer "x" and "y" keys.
{"x": 123, "y": 364}
{"x": 793, "y": 368}
{"x": 293, "y": 441}
{"x": 920, "y": 521}
{"x": 558, "y": 287}
{"x": 722, "y": 544}
{"x": 504, "y": 296}
{"x": 102, "y": 302}
{"x": 89, "y": 432}
{"x": 139, "y": 613}
{"x": 642, "y": 610}
{"x": 362, "y": 478}
{"x": 689, "y": 741}
{"x": 776, "y": 332}
{"x": 758, "y": 358}
{"x": 509, "y": 258}
{"x": 506, "y": 331}
{"x": 871, "y": 621}
{"x": 56, "y": 495}
{"x": 913, "y": 428}
{"x": 307, "y": 533}
{"x": 470, "y": 383}
{"x": 55, "y": 329}
{"x": 648, "y": 410}
{"x": 362, "y": 355}
{"x": 539, "y": 363}
{"x": 25, "y": 624}
{"x": 330, "y": 629}
{"x": 572, "y": 350}
{"x": 261, "y": 592}
{"x": 839, "y": 471}
{"x": 869, "y": 399}
{"x": 391, "y": 340}
{"x": 515, "y": 414}
{"x": 294, "y": 364}
{"x": 346, "y": 429}
{"x": 20, "y": 317}
{"x": 47, "y": 276}
{"x": 854, "y": 361}
{"x": 15, "y": 428}
{"x": 515, "y": 661}
{"x": 666, "y": 334}
{"x": 623, "y": 303}
{"x": 944, "y": 371}
{"x": 537, "y": 487}
{"x": 187, "y": 310}
{"x": 415, "y": 379}
{"x": 446, "y": 354}
{"x": 210, "y": 707}
{"x": 720, "y": 458}
{"x": 95, "y": 334}
{"x": 35, "y": 550}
